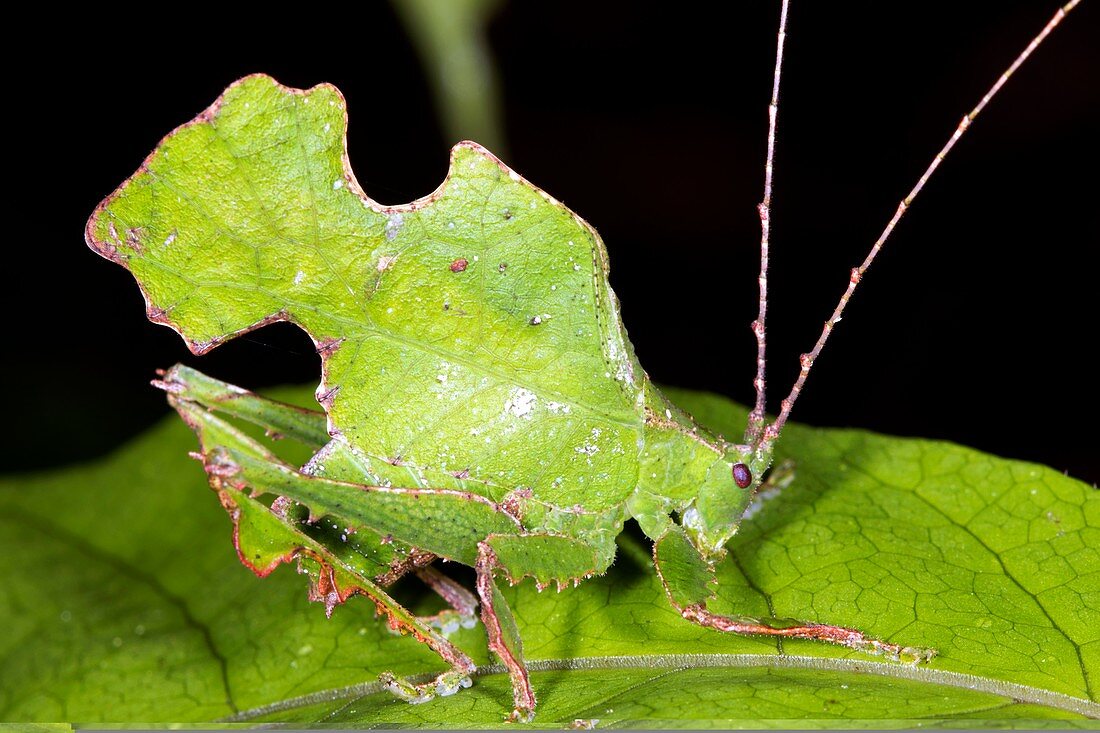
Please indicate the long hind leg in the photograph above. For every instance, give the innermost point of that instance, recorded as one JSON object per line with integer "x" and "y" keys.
{"x": 278, "y": 419}
{"x": 309, "y": 427}
{"x": 266, "y": 536}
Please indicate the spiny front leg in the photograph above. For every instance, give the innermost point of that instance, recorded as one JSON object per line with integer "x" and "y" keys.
{"x": 790, "y": 628}
{"x": 689, "y": 581}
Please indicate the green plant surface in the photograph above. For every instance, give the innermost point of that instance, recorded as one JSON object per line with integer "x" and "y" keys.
{"x": 124, "y": 602}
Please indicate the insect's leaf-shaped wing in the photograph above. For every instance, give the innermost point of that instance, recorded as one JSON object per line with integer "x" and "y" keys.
{"x": 470, "y": 333}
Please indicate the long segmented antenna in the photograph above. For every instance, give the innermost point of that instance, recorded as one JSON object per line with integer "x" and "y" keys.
{"x": 807, "y": 360}
{"x": 756, "y": 417}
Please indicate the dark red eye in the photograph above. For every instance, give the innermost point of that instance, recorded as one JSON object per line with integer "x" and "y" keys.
{"x": 742, "y": 475}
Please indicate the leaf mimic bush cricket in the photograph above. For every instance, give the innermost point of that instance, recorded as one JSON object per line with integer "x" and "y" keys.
{"x": 482, "y": 403}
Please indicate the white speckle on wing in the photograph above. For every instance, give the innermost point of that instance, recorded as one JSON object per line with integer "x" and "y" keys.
{"x": 299, "y": 276}
{"x": 393, "y": 225}
{"x": 520, "y": 402}
{"x": 556, "y": 407}
{"x": 337, "y": 184}
{"x": 616, "y": 354}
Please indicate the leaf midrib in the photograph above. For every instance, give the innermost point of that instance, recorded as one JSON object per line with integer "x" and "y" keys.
{"x": 1012, "y": 690}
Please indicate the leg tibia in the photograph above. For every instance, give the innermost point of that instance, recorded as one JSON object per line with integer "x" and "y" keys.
{"x": 688, "y": 580}
{"x": 791, "y": 629}
{"x": 339, "y": 581}
{"x": 504, "y": 639}
{"x": 546, "y": 558}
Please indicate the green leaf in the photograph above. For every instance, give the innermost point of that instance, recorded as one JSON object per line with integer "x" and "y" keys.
{"x": 123, "y": 601}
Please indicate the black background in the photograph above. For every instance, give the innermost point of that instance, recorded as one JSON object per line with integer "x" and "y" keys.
{"x": 977, "y": 324}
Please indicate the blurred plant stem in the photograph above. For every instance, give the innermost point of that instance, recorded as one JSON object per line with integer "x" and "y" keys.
{"x": 450, "y": 38}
